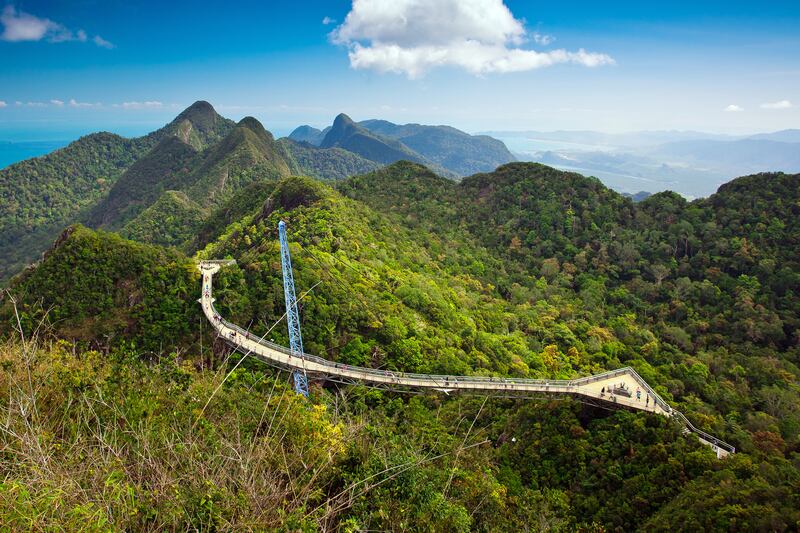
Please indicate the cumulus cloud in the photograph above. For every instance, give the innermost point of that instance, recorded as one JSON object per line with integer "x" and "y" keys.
{"x": 57, "y": 103}
{"x": 3, "y": 104}
{"x": 414, "y": 36}
{"x": 733, "y": 108}
{"x": 328, "y": 20}
{"x": 30, "y": 104}
{"x": 74, "y": 103}
{"x": 149, "y": 104}
{"x": 19, "y": 26}
{"x": 781, "y": 104}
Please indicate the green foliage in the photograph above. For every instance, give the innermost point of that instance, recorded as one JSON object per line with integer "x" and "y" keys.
{"x": 100, "y": 289}
{"x": 171, "y": 221}
{"x": 327, "y": 163}
{"x": 38, "y": 196}
{"x": 526, "y": 271}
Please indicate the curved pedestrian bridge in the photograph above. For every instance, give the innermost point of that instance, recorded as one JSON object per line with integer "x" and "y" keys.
{"x": 622, "y": 388}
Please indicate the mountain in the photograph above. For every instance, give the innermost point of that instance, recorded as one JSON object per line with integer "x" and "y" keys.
{"x": 448, "y": 147}
{"x": 172, "y": 220}
{"x": 164, "y": 167}
{"x": 524, "y": 271}
{"x": 785, "y": 136}
{"x": 326, "y": 163}
{"x": 746, "y": 155}
{"x": 42, "y": 195}
{"x": 449, "y": 151}
{"x": 348, "y": 135}
{"x": 199, "y": 126}
{"x": 247, "y": 153}
{"x": 47, "y": 193}
{"x": 106, "y": 181}
{"x": 307, "y": 134}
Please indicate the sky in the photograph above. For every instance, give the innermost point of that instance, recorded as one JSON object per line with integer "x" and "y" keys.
{"x": 72, "y": 67}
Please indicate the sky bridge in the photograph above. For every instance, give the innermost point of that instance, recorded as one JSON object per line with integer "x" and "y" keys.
{"x": 623, "y": 388}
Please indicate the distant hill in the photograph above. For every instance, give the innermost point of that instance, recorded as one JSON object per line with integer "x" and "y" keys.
{"x": 326, "y": 163}
{"x": 348, "y": 135}
{"x": 247, "y": 153}
{"x": 746, "y": 155}
{"x": 453, "y": 149}
{"x": 785, "y": 136}
{"x": 637, "y": 197}
{"x": 308, "y": 134}
{"x": 450, "y": 151}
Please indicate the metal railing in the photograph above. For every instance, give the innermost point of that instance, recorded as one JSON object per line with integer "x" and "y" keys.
{"x": 439, "y": 381}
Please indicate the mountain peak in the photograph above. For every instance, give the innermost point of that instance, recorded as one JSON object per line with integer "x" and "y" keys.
{"x": 199, "y": 113}
{"x": 343, "y": 120}
{"x": 343, "y": 127}
{"x": 253, "y": 125}
{"x": 199, "y": 125}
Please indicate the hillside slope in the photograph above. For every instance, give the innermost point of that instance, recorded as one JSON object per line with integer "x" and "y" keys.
{"x": 172, "y": 220}
{"x": 566, "y": 278}
{"x": 247, "y": 153}
{"x": 348, "y": 135}
{"x": 326, "y": 164}
{"x": 446, "y": 146}
{"x": 44, "y": 194}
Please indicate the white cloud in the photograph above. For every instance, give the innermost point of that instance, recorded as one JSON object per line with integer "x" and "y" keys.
{"x": 414, "y": 36}
{"x": 150, "y": 104}
{"x": 733, "y": 108}
{"x": 328, "y": 20}
{"x": 781, "y": 104}
{"x": 3, "y": 104}
{"x": 542, "y": 39}
{"x": 19, "y": 26}
{"x": 30, "y": 104}
{"x": 102, "y": 43}
{"x": 57, "y": 103}
{"x": 74, "y": 103}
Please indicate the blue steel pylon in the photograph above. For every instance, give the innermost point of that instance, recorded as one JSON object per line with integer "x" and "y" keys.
{"x": 292, "y": 314}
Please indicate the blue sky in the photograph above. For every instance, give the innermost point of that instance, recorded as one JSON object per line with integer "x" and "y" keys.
{"x": 129, "y": 67}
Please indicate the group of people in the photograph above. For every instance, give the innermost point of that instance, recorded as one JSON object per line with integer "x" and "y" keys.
{"x": 622, "y": 388}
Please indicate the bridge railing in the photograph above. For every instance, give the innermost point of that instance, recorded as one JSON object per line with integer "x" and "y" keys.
{"x": 443, "y": 380}
{"x": 705, "y": 436}
{"x": 436, "y": 379}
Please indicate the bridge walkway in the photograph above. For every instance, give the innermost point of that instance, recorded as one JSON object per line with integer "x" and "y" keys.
{"x": 622, "y": 388}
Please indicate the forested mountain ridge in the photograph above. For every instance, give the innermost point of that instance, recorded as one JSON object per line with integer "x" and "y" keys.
{"x": 326, "y": 163}
{"x": 106, "y": 181}
{"x": 348, "y": 135}
{"x": 451, "y": 148}
{"x": 526, "y": 271}
{"x": 40, "y": 195}
{"x": 439, "y": 147}
{"x": 44, "y": 194}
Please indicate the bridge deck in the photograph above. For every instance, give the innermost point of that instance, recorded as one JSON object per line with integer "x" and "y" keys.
{"x": 619, "y": 388}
